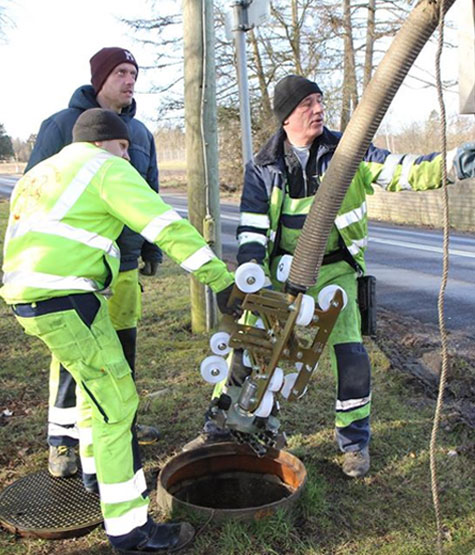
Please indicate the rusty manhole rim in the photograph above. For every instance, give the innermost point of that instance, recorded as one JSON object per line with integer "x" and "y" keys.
{"x": 185, "y": 459}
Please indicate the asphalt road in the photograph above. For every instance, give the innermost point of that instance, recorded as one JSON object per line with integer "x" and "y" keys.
{"x": 407, "y": 263}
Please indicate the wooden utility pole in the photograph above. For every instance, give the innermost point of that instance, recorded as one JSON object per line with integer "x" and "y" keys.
{"x": 201, "y": 145}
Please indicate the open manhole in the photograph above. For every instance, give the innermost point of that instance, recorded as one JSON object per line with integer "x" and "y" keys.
{"x": 229, "y": 480}
{"x": 41, "y": 506}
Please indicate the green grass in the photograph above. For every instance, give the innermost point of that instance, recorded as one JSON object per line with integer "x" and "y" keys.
{"x": 389, "y": 512}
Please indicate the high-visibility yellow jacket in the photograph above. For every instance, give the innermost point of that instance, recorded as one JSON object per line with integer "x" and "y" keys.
{"x": 66, "y": 214}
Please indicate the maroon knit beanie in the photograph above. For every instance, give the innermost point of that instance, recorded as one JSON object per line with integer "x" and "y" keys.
{"x": 104, "y": 61}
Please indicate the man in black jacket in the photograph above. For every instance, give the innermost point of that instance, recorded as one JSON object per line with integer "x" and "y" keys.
{"x": 113, "y": 74}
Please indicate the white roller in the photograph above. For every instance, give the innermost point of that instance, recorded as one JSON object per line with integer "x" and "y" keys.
{"x": 307, "y": 310}
{"x": 289, "y": 382}
{"x": 326, "y": 295}
{"x": 246, "y": 359}
{"x": 213, "y": 369}
{"x": 265, "y": 408}
{"x": 277, "y": 380}
{"x": 283, "y": 268}
{"x": 219, "y": 343}
{"x": 250, "y": 277}
{"x": 259, "y": 324}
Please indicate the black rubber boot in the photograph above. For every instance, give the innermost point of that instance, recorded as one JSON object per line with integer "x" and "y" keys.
{"x": 163, "y": 538}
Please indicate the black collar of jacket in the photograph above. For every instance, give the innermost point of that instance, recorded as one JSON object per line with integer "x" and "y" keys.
{"x": 273, "y": 151}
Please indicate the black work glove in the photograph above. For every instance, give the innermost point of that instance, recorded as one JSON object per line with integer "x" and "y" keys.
{"x": 223, "y": 296}
{"x": 464, "y": 161}
{"x": 149, "y": 268}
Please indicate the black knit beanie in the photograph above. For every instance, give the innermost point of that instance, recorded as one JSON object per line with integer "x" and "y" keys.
{"x": 104, "y": 61}
{"x": 289, "y": 91}
{"x": 98, "y": 124}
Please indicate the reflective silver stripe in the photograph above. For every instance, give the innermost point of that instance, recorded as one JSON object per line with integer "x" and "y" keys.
{"x": 255, "y": 220}
{"x": 80, "y": 235}
{"x": 387, "y": 173}
{"x": 407, "y": 163}
{"x": 77, "y": 186}
{"x": 272, "y": 235}
{"x": 88, "y": 464}
{"x": 198, "y": 259}
{"x": 40, "y": 280}
{"x": 119, "y": 525}
{"x": 248, "y": 237}
{"x": 153, "y": 229}
{"x": 123, "y": 491}
{"x": 62, "y": 416}
{"x": 85, "y": 436}
{"x": 352, "y": 403}
{"x": 351, "y": 217}
{"x": 56, "y": 430}
{"x": 356, "y": 246}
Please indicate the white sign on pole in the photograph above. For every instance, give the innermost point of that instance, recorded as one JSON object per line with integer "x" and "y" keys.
{"x": 257, "y": 12}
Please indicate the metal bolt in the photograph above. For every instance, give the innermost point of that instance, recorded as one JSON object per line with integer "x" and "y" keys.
{"x": 251, "y": 280}
{"x": 215, "y": 372}
{"x": 299, "y": 355}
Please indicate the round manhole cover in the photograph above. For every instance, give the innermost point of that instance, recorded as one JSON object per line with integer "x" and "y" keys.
{"x": 41, "y": 506}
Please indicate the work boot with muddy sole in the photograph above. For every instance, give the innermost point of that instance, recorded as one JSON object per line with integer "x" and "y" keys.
{"x": 356, "y": 463}
{"x": 62, "y": 461}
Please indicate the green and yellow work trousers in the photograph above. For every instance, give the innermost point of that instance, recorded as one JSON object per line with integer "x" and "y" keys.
{"x": 78, "y": 331}
{"x": 125, "y": 309}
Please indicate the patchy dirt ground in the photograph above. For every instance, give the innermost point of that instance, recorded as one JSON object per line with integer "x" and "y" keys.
{"x": 415, "y": 349}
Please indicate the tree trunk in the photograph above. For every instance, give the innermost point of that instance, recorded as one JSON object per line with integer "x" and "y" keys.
{"x": 349, "y": 90}
{"x": 369, "y": 49}
{"x": 265, "y": 99}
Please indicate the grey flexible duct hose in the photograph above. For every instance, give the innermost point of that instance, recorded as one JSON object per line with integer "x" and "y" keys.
{"x": 387, "y": 79}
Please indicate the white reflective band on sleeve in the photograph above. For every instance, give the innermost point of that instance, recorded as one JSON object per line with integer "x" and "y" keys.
{"x": 56, "y": 430}
{"x": 356, "y": 246}
{"x": 58, "y": 415}
{"x": 40, "y": 280}
{"x": 198, "y": 259}
{"x": 351, "y": 217}
{"x": 153, "y": 229}
{"x": 124, "y": 524}
{"x": 248, "y": 237}
{"x": 80, "y": 235}
{"x": 272, "y": 236}
{"x": 123, "y": 491}
{"x": 389, "y": 167}
{"x": 255, "y": 220}
{"x": 85, "y": 436}
{"x": 352, "y": 403}
{"x": 88, "y": 464}
{"x": 77, "y": 186}
{"x": 407, "y": 163}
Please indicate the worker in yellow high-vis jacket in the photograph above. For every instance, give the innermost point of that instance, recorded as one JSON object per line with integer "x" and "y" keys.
{"x": 60, "y": 255}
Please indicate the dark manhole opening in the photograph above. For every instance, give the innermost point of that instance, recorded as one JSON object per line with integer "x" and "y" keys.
{"x": 232, "y": 490}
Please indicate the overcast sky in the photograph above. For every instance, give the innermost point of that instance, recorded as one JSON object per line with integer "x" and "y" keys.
{"x": 46, "y": 57}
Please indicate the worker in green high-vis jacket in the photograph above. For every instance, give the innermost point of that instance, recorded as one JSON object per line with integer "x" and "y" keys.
{"x": 60, "y": 256}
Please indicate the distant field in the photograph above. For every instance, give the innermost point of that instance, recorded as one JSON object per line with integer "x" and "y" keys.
{"x": 12, "y": 167}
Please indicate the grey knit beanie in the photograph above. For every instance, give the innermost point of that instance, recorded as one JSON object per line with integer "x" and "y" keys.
{"x": 98, "y": 124}
{"x": 289, "y": 92}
